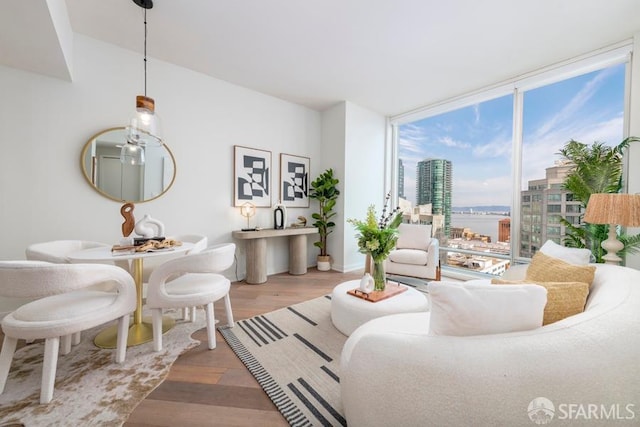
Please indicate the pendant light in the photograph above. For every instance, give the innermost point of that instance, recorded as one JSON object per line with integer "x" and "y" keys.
{"x": 144, "y": 125}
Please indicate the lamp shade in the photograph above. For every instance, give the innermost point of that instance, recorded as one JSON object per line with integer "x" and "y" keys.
{"x": 247, "y": 210}
{"x": 613, "y": 208}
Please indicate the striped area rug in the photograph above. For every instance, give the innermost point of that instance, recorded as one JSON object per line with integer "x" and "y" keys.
{"x": 294, "y": 353}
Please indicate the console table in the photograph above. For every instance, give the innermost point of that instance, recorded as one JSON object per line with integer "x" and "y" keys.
{"x": 256, "y": 261}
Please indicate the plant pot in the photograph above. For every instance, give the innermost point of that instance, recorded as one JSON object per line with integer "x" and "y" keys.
{"x": 324, "y": 262}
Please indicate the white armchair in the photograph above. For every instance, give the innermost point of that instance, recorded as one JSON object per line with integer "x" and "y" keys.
{"x": 416, "y": 253}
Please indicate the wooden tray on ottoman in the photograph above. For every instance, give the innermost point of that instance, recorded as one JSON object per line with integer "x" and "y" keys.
{"x": 375, "y": 296}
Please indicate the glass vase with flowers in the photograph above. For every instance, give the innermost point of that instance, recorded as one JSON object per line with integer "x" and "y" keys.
{"x": 377, "y": 237}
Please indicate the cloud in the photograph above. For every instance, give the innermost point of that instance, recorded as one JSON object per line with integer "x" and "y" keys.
{"x": 478, "y": 192}
{"x": 448, "y": 141}
{"x": 568, "y": 112}
{"x": 498, "y": 147}
{"x": 541, "y": 153}
{"x": 413, "y": 132}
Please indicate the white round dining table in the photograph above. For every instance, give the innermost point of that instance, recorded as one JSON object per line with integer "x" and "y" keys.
{"x": 140, "y": 330}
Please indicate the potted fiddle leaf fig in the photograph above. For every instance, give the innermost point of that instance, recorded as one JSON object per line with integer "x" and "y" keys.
{"x": 324, "y": 190}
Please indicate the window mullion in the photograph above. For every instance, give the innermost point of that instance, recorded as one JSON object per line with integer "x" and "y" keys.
{"x": 516, "y": 171}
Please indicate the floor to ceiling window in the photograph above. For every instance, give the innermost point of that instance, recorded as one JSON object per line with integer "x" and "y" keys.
{"x": 486, "y": 172}
{"x": 585, "y": 108}
{"x": 457, "y": 177}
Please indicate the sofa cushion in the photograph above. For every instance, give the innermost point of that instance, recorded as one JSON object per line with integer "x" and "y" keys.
{"x": 564, "y": 299}
{"x": 544, "y": 268}
{"x": 408, "y": 256}
{"x": 462, "y": 309}
{"x": 576, "y": 256}
{"x": 414, "y": 236}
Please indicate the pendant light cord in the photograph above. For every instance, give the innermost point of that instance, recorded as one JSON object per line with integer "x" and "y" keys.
{"x": 145, "y": 52}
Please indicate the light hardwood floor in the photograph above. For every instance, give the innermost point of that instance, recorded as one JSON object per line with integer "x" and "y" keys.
{"x": 212, "y": 387}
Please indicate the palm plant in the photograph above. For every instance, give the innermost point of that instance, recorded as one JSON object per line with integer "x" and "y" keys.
{"x": 596, "y": 169}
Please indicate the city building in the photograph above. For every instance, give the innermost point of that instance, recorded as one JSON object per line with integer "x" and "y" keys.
{"x": 543, "y": 205}
{"x": 400, "y": 179}
{"x": 422, "y": 215}
{"x": 504, "y": 230}
{"x": 433, "y": 185}
{"x": 465, "y": 233}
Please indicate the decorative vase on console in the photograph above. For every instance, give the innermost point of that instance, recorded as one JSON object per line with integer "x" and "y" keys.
{"x": 280, "y": 217}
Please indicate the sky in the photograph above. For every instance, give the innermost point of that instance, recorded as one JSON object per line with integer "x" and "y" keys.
{"x": 478, "y": 138}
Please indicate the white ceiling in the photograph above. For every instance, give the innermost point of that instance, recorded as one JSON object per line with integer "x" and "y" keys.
{"x": 390, "y": 56}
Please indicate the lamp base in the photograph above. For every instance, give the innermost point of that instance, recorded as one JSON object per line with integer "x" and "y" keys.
{"x": 612, "y": 245}
{"x": 249, "y": 229}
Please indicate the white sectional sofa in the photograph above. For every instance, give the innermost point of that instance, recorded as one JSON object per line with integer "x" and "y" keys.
{"x": 393, "y": 373}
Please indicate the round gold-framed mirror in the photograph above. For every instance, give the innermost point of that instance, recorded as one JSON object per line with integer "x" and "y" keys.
{"x": 103, "y": 170}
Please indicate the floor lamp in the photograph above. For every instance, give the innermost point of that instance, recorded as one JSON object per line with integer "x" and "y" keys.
{"x": 613, "y": 209}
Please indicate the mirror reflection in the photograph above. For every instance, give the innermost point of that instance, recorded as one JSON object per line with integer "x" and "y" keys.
{"x": 105, "y": 172}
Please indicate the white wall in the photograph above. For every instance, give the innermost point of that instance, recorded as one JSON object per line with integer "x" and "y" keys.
{"x": 364, "y": 174}
{"x": 333, "y": 142}
{"x": 633, "y": 154}
{"x": 44, "y": 123}
{"x": 353, "y": 141}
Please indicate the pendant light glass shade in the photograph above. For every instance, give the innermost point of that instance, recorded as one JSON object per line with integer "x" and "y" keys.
{"x": 144, "y": 125}
{"x": 132, "y": 154}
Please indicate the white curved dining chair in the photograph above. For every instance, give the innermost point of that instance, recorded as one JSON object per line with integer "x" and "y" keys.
{"x": 57, "y": 252}
{"x": 199, "y": 244}
{"x": 66, "y": 304}
{"x": 190, "y": 281}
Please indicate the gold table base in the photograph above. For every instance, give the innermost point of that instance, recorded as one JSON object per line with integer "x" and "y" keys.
{"x": 139, "y": 333}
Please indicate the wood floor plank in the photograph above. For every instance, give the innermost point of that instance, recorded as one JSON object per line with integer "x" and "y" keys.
{"x": 217, "y": 395}
{"x": 238, "y": 377}
{"x": 196, "y": 374}
{"x": 157, "y": 413}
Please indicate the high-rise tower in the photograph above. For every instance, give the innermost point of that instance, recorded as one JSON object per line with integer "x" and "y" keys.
{"x": 400, "y": 179}
{"x": 543, "y": 205}
{"x": 433, "y": 186}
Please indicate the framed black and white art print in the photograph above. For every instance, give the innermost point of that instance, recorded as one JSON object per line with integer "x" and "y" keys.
{"x": 251, "y": 177}
{"x": 294, "y": 181}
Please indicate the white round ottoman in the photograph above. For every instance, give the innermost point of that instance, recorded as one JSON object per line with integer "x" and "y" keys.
{"x": 349, "y": 312}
